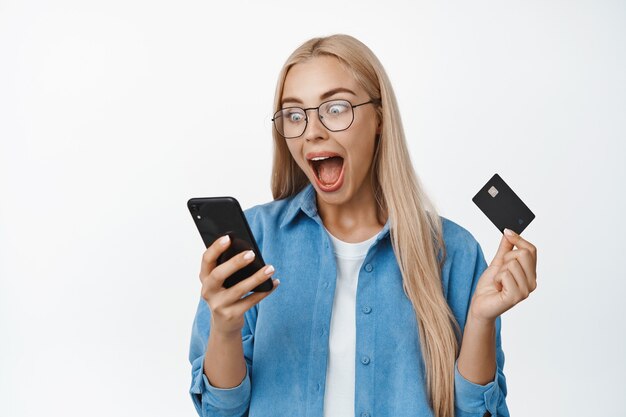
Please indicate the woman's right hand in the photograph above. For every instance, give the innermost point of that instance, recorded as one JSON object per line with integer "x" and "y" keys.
{"x": 226, "y": 304}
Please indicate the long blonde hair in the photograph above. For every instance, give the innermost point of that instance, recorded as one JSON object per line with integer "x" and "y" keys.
{"x": 415, "y": 227}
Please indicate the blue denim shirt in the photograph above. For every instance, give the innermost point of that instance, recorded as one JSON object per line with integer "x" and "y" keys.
{"x": 285, "y": 336}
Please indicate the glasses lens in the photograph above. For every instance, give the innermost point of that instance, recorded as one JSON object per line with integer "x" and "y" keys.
{"x": 336, "y": 115}
{"x": 290, "y": 122}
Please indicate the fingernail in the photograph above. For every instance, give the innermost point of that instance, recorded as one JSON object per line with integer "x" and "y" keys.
{"x": 509, "y": 232}
{"x": 224, "y": 240}
{"x": 277, "y": 281}
{"x": 249, "y": 255}
{"x": 269, "y": 270}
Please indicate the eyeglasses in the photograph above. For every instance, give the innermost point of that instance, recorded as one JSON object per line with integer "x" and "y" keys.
{"x": 335, "y": 115}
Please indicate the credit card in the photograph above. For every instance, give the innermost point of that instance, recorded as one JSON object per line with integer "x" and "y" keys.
{"x": 502, "y": 206}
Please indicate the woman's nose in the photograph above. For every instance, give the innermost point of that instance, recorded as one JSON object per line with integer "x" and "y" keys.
{"x": 314, "y": 128}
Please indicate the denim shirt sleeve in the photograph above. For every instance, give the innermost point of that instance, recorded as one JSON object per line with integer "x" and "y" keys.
{"x": 473, "y": 400}
{"x": 209, "y": 400}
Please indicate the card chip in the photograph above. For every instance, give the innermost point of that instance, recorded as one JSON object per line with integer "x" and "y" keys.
{"x": 493, "y": 191}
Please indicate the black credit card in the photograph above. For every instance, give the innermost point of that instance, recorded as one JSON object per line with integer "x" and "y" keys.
{"x": 502, "y": 206}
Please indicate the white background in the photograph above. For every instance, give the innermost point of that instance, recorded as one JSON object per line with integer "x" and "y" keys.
{"x": 114, "y": 113}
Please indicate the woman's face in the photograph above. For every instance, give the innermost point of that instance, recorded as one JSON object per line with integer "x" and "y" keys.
{"x": 343, "y": 177}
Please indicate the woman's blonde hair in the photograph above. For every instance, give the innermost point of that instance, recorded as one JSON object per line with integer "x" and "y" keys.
{"x": 415, "y": 227}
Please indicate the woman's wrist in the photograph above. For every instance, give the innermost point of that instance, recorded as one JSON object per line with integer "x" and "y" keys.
{"x": 223, "y": 336}
{"x": 476, "y": 320}
{"x": 477, "y": 357}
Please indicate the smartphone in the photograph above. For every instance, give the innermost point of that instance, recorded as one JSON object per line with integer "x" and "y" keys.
{"x": 218, "y": 216}
{"x": 502, "y": 206}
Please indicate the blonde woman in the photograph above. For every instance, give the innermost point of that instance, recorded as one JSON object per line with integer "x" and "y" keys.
{"x": 384, "y": 308}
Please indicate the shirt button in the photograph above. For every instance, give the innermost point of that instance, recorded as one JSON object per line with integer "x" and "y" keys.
{"x": 367, "y": 309}
{"x": 326, "y": 285}
{"x": 322, "y": 331}
{"x": 365, "y": 360}
{"x": 369, "y": 268}
{"x": 365, "y": 414}
{"x": 319, "y": 387}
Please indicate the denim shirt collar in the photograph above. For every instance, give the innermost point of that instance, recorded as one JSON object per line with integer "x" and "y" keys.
{"x": 306, "y": 202}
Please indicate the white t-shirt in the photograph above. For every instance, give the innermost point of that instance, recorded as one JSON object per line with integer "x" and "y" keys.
{"x": 339, "y": 392}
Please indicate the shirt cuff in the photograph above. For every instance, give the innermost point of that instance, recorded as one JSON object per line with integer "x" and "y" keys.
{"x": 206, "y": 396}
{"x": 473, "y": 398}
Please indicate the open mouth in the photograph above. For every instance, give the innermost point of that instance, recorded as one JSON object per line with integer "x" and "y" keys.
{"x": 328, "y": 171}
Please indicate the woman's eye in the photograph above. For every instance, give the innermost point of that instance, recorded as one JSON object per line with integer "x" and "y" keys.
{"x": 337, "y": 108}
{"x": 295, "y": 117}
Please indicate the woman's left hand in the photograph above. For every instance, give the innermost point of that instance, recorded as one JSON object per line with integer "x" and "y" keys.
{"x": 509, "y": 279}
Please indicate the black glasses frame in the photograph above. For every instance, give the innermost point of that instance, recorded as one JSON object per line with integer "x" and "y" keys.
{"x": 321, "y": 119}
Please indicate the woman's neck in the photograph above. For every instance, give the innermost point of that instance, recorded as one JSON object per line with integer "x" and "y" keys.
{"x": 355, "y": 220}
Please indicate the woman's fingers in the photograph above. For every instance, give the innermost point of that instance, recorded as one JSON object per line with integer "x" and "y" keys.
{"x": 520, "y": 278}
{"x": 505, "y": 247}
{"x": 245, "y": 304}
{"x": 210, "y": 255}
{"x": 226, "y": 304}
{"x": 510, "y": 290}
{"x": 236, "y": 292}
{"x": 528, "y": 261}
{"x": 228, "y": 268}
{"x": 522, "y": 244}
{"x": 514, "y": 284}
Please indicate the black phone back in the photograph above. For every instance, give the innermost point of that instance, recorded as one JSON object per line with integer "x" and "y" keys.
{"x": 218, "y": 216}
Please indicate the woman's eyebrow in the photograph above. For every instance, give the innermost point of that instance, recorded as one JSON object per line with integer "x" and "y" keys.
{"x": 290, "y": 100}
{"x": 327, "y": 94}
{"x": 335, "y": 91}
